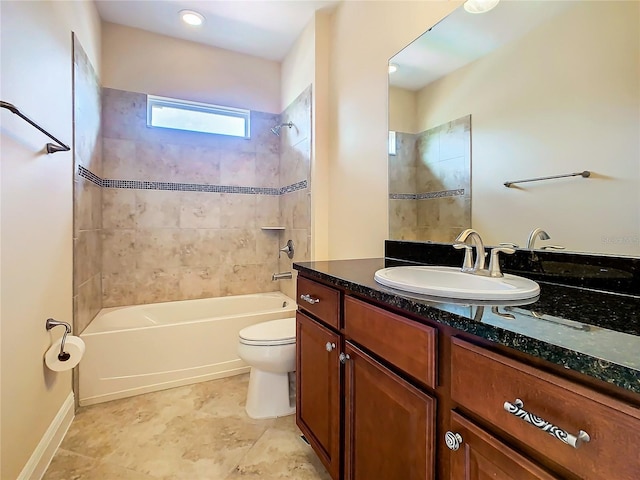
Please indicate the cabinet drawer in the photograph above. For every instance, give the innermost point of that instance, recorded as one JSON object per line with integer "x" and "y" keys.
{"x": 321, "y": 301}
{"x": 408, "y": 345}
{"x": 482, "y": 381}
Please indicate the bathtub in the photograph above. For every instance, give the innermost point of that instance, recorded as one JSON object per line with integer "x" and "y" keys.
{"x": 145, "y": 348}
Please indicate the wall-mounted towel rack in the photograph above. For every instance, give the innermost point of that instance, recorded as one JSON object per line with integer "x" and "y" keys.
{"x": 51, "y": 148}
{"x": 584, "y": 174}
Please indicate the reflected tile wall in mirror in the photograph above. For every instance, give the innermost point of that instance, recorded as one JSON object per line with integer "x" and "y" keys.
{"x": 430, "y": 183}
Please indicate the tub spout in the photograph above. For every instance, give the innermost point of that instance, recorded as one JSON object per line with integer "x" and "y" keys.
{"x": 281, "y": 276}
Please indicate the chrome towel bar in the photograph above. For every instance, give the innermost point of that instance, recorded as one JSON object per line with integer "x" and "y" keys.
{"x": 51, "y": 148}
{"x": 584, "y": 174}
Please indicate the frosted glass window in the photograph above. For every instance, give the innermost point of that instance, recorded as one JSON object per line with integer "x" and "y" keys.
{"x": 197, "y": 117}
{"x": 392, "y": 143}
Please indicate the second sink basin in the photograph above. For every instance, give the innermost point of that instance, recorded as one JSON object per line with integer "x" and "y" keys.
{"x": 450, "y": 282}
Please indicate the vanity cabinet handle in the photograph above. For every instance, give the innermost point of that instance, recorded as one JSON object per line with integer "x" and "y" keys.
{"x": 309, "y": 299}
{"x": 330, "y": 346}
{"x": 344, "y": 357}
{"x": 453, "y": 440}
{"x": 516, "y": 408}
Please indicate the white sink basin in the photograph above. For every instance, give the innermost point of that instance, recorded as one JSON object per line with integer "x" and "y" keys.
{"x": 450, "y": 282}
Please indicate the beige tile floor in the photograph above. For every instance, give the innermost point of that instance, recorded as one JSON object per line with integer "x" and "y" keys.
{"x": 197, "y": 432}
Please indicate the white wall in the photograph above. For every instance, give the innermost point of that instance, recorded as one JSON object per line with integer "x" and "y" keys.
{"x": 403, "y": 106}
{"x": 364, "y": 36}
{"x": 145, "y": 62}
{"x": 308, "y": 63}
{"x": 36, "y": 201}
{"x": 580, "y": 112}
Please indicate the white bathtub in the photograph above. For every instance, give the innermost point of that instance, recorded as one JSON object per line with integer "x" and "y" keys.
{"x": 145, "y": 348}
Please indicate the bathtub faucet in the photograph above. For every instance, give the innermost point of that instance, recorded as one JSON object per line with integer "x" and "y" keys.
{"x": 281, "y": 276}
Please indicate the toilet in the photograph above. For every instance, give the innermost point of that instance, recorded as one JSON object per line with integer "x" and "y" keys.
{"x": 270, "y": 350}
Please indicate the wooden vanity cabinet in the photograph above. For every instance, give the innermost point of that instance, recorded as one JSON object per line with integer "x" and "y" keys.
{"x": 389, "y": 423}
{"x": 318, "y": 393}
{"x": 478, "y": 455}
{"x": 381, "y": 396}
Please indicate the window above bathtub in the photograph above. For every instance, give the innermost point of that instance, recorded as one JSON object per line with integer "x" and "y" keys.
{"x": 197, "y": 117}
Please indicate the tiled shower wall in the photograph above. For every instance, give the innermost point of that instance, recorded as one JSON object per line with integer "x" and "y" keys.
{"x": 87, "y": 248}
{"x": 436, "y": 202}
{"x": 183, "y": 211}
{"x": 295, "y": 206}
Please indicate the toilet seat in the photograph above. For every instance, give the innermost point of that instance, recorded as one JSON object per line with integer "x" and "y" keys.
{"x": 274, "y": 332}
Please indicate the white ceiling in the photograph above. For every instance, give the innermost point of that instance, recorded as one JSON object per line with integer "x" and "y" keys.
{"x": 463, "y": 37}
{"x": 263, "y": 28}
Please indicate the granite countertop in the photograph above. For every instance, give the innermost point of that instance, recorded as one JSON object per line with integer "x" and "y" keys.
{"x": 592, "y": 332}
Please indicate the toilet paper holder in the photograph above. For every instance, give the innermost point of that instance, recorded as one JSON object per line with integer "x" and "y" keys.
{"x": 51, "y": 323}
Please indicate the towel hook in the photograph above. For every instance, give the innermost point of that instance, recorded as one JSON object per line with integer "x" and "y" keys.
{"x": 51, "y": 323}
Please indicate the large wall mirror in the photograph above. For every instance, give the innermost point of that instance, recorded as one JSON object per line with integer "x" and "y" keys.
{"x": 529, "y": 89}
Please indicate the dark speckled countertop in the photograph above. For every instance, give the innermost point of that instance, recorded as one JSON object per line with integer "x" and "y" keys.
{"x": 592, "y": 332}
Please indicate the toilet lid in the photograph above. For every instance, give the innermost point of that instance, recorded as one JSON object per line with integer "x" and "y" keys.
{"x": 274, "y": 332}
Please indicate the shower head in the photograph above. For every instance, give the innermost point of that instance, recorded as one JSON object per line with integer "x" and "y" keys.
{"x": 276, "y": 130}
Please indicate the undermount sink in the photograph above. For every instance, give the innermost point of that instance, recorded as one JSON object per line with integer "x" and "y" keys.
{"x": 450, "y": 282}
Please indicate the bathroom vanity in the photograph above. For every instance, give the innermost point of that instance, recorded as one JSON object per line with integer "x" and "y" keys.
{"x": 397, "y": 386}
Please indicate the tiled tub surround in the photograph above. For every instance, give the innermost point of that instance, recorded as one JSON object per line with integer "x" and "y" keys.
{"x": 592, "y": 332}
{"x": 87, "y": 202}
{"x": 295, "y": 164}
{"x": 430, "y": 183}
{"x": 182, "y": 211}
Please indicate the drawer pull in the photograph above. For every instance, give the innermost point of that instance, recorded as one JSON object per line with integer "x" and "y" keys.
{"x": 516, "y": 408}
{"x": 309, "y": 299}
{"x": 330, "y": 346}
{"x": 343, "y": 357}
{"x": 453, "y": 440}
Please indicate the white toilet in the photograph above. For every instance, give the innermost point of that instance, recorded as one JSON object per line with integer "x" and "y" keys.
{"x": 270, "y": 349}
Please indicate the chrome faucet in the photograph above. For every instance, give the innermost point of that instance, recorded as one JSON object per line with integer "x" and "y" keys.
{"x": 478, "y": 266}
{"x": 538, "y": 232}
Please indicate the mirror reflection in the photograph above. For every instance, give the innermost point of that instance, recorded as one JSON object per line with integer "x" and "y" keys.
{"x": 527, "y": 90}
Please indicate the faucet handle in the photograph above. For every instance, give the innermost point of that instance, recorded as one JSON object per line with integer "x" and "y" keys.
{"x": 467, "y": 264}
{"x": 494, "y": 263}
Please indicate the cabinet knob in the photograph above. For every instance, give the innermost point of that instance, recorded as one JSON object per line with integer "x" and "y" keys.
{"x": 344, "y": 357}
{"x": 309, "y": 299}
{"x": 453, "y": 440}
{"x": 330, "y": 346}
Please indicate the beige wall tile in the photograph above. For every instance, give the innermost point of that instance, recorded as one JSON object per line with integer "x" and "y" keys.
{"x": 157, "y": 209}
{"x": 203, "y": 282}
{"x": 156, "y": 285}
{"x": 268, "y": 244}
{"x": 87, "y": 303}
{"x": 119, "y": 288}
{"x": 118, "y": 250}
{"x": 199, "y": 209}
{"x": 157, "y": 248}
{"x": 301, "y": 209}
{"x": 119, "y": 160}
{"x": 268, "y": 169}
{"x": 238, "y": 247}
{"x": 87, "y": 256}
{"x": 238, "y": 169}
{"x": 200, "y": 247}
{"x": 197, "y": 164}
{"x": 237, "y": 211}
{"x": 267, "y": 210}
{"x": 118, "y": 208}
{"x": 237, "y": 279}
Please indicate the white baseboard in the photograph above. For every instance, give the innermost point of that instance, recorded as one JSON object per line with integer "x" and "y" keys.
{"x": 51, "y": 440}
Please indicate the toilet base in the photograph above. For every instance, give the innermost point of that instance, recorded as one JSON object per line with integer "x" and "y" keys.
{"x": 268, "y": 395}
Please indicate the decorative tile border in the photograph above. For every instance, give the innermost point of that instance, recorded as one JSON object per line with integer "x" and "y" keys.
{"x": 187, "y": 187}
{"x": 422, "y": 196}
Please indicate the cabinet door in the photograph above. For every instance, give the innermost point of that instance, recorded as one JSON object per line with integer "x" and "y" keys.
{"x": 390, "y": 424}
{"x": 478, "y": 455}
{"x": 318, "y": 390}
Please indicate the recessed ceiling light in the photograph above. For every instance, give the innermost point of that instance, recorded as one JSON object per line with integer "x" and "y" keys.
{"x": 479, "y": 6}
{"x": 191, "y": 18}
{"x": 393, "y": 68}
